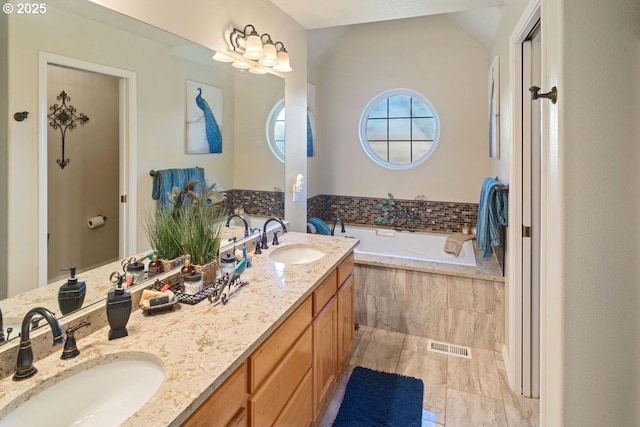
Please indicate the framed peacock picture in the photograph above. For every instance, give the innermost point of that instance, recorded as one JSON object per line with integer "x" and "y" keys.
{"x": 204, "y": 118}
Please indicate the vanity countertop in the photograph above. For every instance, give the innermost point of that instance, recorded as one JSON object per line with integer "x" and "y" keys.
{"x": 198, "y": 345}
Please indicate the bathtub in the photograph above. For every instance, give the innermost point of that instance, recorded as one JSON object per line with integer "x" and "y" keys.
{"x": 408, "y": 245}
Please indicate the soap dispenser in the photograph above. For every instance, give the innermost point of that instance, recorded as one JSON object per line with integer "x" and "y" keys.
{"x": 118, "y": 307}
{"x": 71, "y": 294}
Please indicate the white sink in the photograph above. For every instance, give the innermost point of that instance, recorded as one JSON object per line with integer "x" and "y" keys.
{"x": 296, "y": 254}
{"x": 103, "y": 395}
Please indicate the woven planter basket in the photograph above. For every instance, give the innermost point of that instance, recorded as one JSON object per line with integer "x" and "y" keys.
{"x": 208, "y": 272}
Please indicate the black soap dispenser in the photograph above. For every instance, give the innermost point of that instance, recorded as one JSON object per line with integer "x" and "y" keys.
{"x": 118, "y": 307}
{"x": 71, "y": 294}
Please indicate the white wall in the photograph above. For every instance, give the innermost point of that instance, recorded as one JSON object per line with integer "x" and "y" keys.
{"x": 161, "y": 117}
{"x": 255, "y": 166}
{"x": 431, "y": 55}
{"x": 590, "y": 314}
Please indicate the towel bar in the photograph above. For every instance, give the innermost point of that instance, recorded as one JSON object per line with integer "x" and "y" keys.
{"x": 153, "y": 173}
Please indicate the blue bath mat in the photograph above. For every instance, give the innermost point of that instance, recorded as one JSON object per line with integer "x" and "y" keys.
{"x": 380, "y": 399}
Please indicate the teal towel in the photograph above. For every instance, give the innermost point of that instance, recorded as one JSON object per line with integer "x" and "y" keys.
{"x": 166, "y": 179}
{"x": 320, "y": 225}
{"x": 492, "y": 213}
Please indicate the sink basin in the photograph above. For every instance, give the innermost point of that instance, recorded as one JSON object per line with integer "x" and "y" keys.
{"x": 296, "y": 254}
{"x": 103, "y": 395}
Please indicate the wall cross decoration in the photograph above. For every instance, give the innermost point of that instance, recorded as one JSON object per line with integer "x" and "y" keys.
{"x": 64, "y": 117}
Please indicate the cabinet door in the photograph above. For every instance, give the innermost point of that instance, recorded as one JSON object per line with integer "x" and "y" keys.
{"x": 225, "y": 405}
{"x": 325, "y": 354}
{"x": 346, "y": 297}
{"x": 273, "y": 395}
{"x": 299, "y": 410}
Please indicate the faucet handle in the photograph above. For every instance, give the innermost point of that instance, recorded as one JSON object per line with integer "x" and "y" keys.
{"x": 70, "y": 349}
{"x": 275, "y": 238}
{"x": 258, "y": 250}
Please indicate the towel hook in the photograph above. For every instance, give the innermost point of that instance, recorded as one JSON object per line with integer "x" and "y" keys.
{"x": 552, "y": 94}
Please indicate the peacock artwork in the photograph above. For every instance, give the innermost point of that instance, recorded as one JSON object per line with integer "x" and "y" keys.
{"x": 204, "y": 118}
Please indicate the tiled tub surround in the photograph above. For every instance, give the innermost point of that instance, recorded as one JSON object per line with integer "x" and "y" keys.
{"x": 199, "y": 346}
{"x": 445, "y": 302}
{"x": 431, "y": 215}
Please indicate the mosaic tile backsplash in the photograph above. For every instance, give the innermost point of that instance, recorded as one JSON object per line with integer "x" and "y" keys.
{"x": 425, "y": 215}
{"x": 258, "y": 203}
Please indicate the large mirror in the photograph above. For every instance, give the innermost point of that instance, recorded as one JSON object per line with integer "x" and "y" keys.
{"x": 162, "y": 64}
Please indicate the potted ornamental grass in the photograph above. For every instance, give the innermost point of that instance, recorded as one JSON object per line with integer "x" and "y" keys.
{"x": 191, "y": 225}
{"x": 160, "y": 228}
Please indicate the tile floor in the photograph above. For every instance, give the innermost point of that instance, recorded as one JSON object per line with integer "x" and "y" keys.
{"x": 457, "y": 391}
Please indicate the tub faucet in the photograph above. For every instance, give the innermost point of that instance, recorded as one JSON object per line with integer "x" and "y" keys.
{"x": 333, "y": 227}
{"x": 246, "y": 224}
{"x": 264, "y": 242}
{"x": 25, "y": 368}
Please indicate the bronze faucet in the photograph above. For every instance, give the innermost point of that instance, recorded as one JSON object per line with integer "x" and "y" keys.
{"x": 25, "y": 368}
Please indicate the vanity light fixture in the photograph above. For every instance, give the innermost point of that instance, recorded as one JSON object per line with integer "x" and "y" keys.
{"x": 255, "y": 52}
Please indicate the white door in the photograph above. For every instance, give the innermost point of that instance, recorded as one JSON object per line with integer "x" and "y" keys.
{"x": 531, "y": 172}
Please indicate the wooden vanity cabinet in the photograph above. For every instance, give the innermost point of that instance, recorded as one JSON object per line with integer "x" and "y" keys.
{"x": 289, "y": 378}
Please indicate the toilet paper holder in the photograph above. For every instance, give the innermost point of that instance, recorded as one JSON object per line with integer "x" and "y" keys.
{"x": 96, "y": 221}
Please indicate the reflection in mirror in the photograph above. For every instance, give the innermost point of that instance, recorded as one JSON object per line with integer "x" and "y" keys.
{"x": 161, "y": 63}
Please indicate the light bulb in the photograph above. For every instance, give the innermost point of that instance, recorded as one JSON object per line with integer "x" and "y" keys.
{"x": 270, "y": 57}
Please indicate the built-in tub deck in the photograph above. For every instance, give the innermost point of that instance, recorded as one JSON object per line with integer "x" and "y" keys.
{"x": 372, "y": 253}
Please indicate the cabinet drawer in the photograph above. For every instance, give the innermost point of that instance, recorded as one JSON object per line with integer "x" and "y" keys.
{"x": 325, "y": 292}
{"x": 267, "y": 403}
{"x": 346, "y": 268}
{"x": 299, "y": 410}
{"x": 224, "y": 405}
{"x": 264, "y": 359}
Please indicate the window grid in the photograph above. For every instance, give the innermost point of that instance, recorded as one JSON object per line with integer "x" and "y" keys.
{"x": 411, "y": 119}
{"x": 408, "y": 133}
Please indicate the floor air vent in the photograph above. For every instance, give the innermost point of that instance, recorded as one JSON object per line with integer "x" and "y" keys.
{"x": 454, "y": 350}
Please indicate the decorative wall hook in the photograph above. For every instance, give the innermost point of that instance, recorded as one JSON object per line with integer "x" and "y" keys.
{"x": 552, "y": 94}
{"x": 20, "y": 116}
{"x": 64, "y": 117}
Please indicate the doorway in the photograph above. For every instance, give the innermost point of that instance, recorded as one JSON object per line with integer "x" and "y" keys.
{"x": 531, "y": 228}
{"x": 82, "y": 175}
{"x": 522, "y": 357}
{"x": 125, "y": 211}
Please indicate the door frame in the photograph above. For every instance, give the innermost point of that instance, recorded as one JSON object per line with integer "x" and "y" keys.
{"x": 127, "y": 156}
{"x": 513, "y": 354}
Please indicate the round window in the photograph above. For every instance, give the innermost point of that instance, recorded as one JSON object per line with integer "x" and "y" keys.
{"x": 399, "y": 129}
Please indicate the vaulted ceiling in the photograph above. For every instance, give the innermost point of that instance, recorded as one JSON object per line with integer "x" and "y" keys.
{"x": 327, "y": 20}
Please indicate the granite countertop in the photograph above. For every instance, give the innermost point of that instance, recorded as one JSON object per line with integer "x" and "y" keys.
{"x": 199, "y": 346}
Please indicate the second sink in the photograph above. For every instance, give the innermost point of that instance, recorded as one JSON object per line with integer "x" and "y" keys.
{"x": 296, "y": 254}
